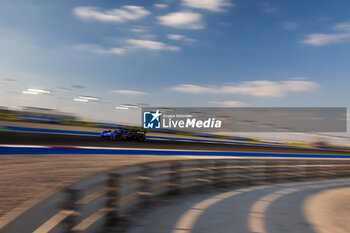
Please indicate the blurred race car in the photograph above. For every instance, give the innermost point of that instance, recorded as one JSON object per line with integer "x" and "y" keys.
{"x": 124, "y": 134}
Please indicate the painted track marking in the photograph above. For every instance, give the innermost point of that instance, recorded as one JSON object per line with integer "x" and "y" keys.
{"x": 188, "y": 219}
{"x": 256, "y": 218}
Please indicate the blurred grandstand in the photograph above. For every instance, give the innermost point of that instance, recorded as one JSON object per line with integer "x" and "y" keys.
{"x": 35, "y": 114}
{"x": 51, "y": 116}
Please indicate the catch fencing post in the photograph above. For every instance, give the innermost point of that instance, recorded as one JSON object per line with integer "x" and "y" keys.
{"x": 174, "y": 178}
{"x": 146, "y": 184}
{"x": 113, "y": 185}
{"x": 219, "y": 173}
{"x": 71, "y": 206}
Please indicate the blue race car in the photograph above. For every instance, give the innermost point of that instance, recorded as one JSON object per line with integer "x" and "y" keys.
{"x": 123, "y": 134}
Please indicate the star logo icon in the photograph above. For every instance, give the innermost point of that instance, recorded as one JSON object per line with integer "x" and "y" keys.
{"x": 156, "y": 115}
{"x": 152, "y": 119}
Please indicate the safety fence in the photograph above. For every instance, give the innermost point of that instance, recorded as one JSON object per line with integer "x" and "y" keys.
{"x": 104, "y": 202}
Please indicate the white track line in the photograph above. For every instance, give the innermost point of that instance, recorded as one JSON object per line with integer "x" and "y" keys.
{"x": 54, "y": 221}
{"x": 256, "y": 219}
{"x": 188, "y": 219}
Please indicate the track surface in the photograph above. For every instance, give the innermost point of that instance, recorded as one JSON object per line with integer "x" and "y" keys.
{"x": 20, "y": 138}
{"x": 24, "y": 177}
{"x": 259, "y": 209}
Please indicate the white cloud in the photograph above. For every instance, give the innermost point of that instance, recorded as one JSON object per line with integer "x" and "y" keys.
{"x": 150, "y": 36}
{"x": 180, "y": 37}
{"x": 190, "y": 40}
{"x": 289, "y": 25}
{"x": 160, "y": 5}
{"x": 152, "y": 45}
{"x": 126, "y": 13}
{"x": 229, "y": 103}
{"x": 99, "y": 49}
{"x": 182, "y": 19}
{"x": 212, "y": 5}
{"x": 267, "y": 8}
{"x": 342, "y": 27}
{"x": 175, "y": 36}
{"x": 129, "y": 92}
{"x": 115, "y": 51}
{"x": 320, "y": 39}
{"x": 260, "y": 88}
{"x": 138, "y": 29}
{"x": 324, "y": 39}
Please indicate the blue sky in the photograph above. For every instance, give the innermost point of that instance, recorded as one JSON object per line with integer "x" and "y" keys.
{"x": 174, "y": 53}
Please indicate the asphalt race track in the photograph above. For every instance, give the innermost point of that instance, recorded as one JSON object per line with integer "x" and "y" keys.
{"x": 47, "y": 139}
{"x": 258, "y": 209}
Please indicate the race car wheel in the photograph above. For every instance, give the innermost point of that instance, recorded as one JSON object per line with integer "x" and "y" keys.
{"x": 117, "y": 137}
{"x": 142, "y": 138}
